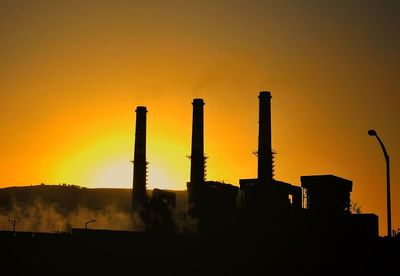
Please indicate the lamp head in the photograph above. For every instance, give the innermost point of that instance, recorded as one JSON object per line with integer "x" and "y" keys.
{"x": 371, "y": 132}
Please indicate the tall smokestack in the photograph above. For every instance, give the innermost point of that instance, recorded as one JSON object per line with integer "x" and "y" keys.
{"x": 197, "y": 175}
{"x": 265, "y": 170}
{"x": 139, "y": 196}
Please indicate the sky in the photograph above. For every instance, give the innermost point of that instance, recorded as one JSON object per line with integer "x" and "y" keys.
{"x": 73, "y": 72}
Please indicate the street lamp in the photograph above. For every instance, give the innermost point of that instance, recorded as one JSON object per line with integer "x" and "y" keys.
{"x": 372, "y": 132}
{"x": 86, "y": 223}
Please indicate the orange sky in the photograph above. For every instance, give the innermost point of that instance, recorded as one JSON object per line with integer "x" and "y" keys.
{"x": 72, "y": 73}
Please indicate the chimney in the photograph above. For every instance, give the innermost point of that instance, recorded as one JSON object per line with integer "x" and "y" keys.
{"x": 197, "y": 169}
{"x": 139, "y": 196}
{"x": 265, "y": 165}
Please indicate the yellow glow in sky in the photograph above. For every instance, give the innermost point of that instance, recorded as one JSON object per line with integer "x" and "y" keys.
{"x": 73, "y": 72}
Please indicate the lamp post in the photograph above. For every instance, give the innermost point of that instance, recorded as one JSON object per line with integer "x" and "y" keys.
{"x": 372, "y": 132}
{"x": 87, "y": 222}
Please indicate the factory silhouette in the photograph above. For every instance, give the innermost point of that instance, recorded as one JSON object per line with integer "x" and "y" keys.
{"x": 261, "y": 204}
{"x": 263, "y": 227}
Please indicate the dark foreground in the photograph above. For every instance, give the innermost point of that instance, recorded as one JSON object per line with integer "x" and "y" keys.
{"x": 128, "y": 253}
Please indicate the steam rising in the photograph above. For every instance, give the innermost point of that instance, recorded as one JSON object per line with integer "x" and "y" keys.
{"x": 41, "y": 217}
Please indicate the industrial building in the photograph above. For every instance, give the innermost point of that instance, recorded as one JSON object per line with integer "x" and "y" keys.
{"x": 263, "y": 203}
{"x": 212, "y": 203}
{"x": 155, "y": 212}
{"x": 328, "y": 207}
{"x": 266, "y": 202}
{"x": 326, "y": 195}
{"x": 322, "y": 201}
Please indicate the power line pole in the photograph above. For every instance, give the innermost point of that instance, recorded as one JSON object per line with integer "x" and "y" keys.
{"x": 13, "y": 222}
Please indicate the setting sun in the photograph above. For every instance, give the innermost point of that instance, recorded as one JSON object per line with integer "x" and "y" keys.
{"x": 73, "y": 73}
